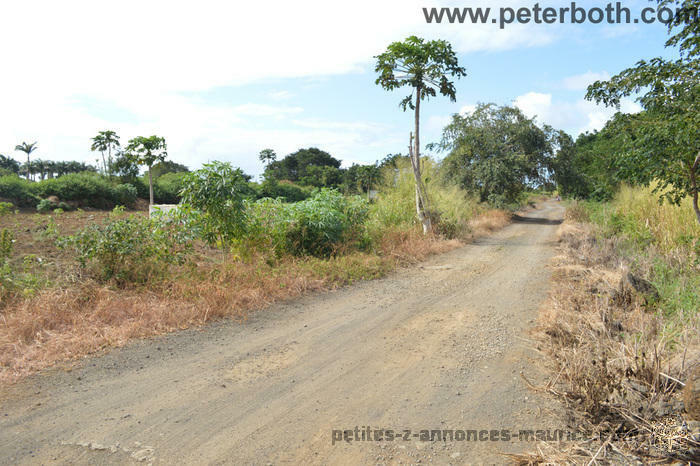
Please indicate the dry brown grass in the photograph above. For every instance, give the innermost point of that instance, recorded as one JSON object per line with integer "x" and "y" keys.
{"x": 489, "y": 221}
{"x": 78, "y": 316}
{"x": 615, "y": 370}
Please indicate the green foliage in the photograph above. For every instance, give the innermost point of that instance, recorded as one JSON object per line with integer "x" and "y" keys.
{"x": 286, "y": 190}
{"x": 267, "y": 156}
{"x": 424, "y": 66}
{"x": 218, "y": 191}
{"x": 496, "y": 152}
{"x": 168, "y": 186}
{"x": 166, "y": 167}
{"x": 307, "y": 167}
{"x": 6, "y": 208}
{"x": 663, "y": 239}
{"x": 315, "y": 226}
{"x": 105, "y": 141}
{"x": 131, "y": 249}
{"x": 6, "y": 244}
{"x": 147, "y": 151}
{"x": 661, "y": 143}
{"x": 45, "y": 205}
{"x": 452, "y": 207}
{"x": 18, "y": 191}
{"x": 88, "y": 189}
{"x": 9, "y": 164}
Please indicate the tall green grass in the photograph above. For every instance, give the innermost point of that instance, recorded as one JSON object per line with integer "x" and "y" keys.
{"x": 451, "y": 207}
{"x": 661, "y": 240}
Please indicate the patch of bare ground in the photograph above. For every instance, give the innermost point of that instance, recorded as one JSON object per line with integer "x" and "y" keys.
{"x": 615, "y": 369}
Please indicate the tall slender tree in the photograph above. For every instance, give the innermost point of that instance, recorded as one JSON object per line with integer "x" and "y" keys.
{"x": 147, "y": 151}
{"x": 427, "y": 68}
{"x": 27, "y": 149}
{"x": 105, "y": 141}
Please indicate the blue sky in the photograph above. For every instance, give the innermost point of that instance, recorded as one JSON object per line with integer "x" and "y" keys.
{"x": 223, "y": 81}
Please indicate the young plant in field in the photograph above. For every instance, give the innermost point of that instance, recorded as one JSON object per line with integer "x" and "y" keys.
{"x": 147, "y": 151}
{"x": 131, "y": 249}
{"x": 218, "y": 190}
{"x": 426, "y": 67}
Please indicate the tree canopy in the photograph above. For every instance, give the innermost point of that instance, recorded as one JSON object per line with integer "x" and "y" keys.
{"x": 307, "y": 167}
{"x": 661, "y": 143}
{"x": 497, "y": 152}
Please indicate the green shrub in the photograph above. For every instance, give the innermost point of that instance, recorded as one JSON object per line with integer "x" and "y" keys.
{"x": 45, "y": 206}
{"x": 132, "y": 249}
{"x": 218, "y": 190}
{"x": 167, "y": 187}
{"x": 286, "y": 190}
{"x": 18, "y": 191}
{"x": 6, "y": 208}
{"x": 87, "y": 189}
{"x": 6, "y": 244}
{"x": 315, "y": 226}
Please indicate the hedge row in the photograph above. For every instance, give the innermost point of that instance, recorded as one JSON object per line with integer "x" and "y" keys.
{"x": 84, "y": 189}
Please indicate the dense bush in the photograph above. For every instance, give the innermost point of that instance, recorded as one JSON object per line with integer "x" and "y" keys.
{"x": 87, "y": 189}
{"x": 166, "y": 189}
{"x": 316, "y": 226}
{"x": 218, "y": 191}
{"x": 286, "y": 190}
{"x": 129, "y": 249}
{"x": 18, "y": 191}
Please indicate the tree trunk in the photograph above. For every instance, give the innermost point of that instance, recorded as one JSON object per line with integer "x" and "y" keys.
{"x": 421, "y": 199}
{"x": 27, "y": 166}
{"x": 694, "y": 186}
{"x": 109, "y": 160}
{"x": 150, "y": 185}
{"x": 104, "y": 163}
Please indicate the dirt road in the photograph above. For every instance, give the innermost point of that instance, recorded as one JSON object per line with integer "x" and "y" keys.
{"x": 438, "y": 346}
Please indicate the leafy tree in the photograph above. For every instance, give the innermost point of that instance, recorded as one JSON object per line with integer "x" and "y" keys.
{"x": 27, "y": 149}
{"x": 496, "y": 152}
{"x": 167, "y": 166}
{"x": 147, "y": 151}
{"x": 661, "y": 143}
{"x": 8, "y": 163}
{"x": 426, "y": 67}
{"x": 218, "y": 191}
{"x": 125, "y": 168}
{"x": 267, "y": 156}
{"x": 308, "y": 167}
{"x": 105, "y": 141}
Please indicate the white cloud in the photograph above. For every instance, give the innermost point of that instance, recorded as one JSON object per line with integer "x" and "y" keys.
{"x": 534, "y": 104}
{"x": 580, "y": 82}
{"x": 280, "y": 95}
{"x": 572, "y": 116}
{"x": 146, "y": 58}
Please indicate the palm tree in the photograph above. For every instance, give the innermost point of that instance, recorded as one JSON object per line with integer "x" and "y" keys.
{"x": 104, "y": 142}
{"x": 28, "y": 149}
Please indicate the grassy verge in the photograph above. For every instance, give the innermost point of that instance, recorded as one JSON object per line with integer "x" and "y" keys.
{"x": 56, "y": 309}
{"x": 622, "y": 330}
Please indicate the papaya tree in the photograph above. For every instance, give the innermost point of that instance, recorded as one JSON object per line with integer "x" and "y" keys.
{"x": 426, "y": 67}
{"x": 147, "y": 151}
